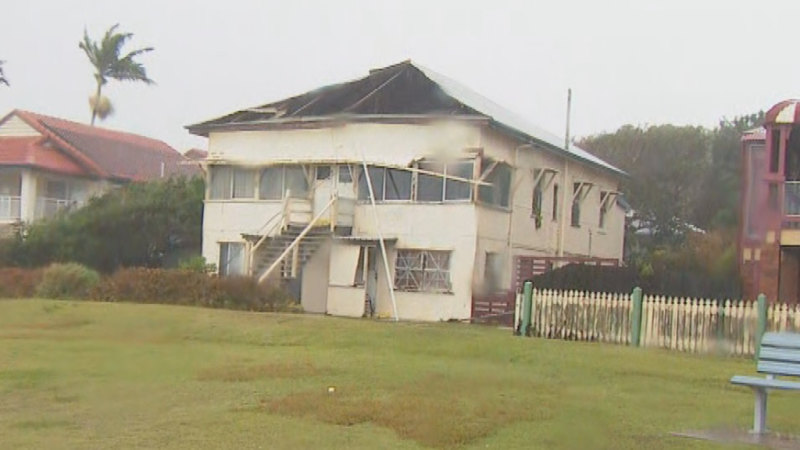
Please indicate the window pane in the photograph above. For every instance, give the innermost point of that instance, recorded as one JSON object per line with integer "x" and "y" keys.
{"x": 323, "y": 172}
{"x": 271, "y": 187}
{"x": 376, "y": 177}
{"x": 503, "y": 184}
{"x": 244, "y": 185}
{"x": 576, "y": 205}
{"x": 459, "y": 190}
{"x": 555, "y": 202}
{"x": 221, "y": 183}
{"x": 398, "y": 184}
{"x": 345, "y": 174}
{"x": 231, "y": 258}
{"x": 296, "y": 182}
{"x": 422, "y": 270}
{"x": 430, "y": 187}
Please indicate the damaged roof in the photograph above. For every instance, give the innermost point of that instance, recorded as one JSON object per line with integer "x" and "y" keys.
{"x": 406, "y": 89}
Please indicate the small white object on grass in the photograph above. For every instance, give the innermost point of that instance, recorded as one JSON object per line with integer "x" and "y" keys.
{"x": 331, "y": 389}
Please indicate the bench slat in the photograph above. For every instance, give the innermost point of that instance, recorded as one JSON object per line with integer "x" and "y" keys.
{"x": 779, "y": 355}
{"x": 783, "y": 340}
{"x": 766, "y": 383}
{"x": 779, "y": 368}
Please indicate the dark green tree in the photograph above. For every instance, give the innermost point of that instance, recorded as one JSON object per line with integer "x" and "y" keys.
{"x": 109, "y": 63}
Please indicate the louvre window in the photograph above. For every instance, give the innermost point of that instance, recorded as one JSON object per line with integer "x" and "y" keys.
{"x": 231, "y": 258}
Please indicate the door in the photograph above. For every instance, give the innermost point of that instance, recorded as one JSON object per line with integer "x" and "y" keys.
{"x": 372, "y": 281}
{"x": 323, "y": 187}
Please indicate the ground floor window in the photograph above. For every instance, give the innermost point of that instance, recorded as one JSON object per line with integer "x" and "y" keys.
{"x": 422, "y": 271}
{"x": 493, "y": 272}
{"x": 231, "y": 258}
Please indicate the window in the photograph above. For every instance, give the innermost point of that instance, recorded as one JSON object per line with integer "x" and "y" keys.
{"x": 576, "y": 205}
{"x": 231, "y": 182}
{"x": 376, "y": 178}
{"x": 536, "y": 205}
{"x": 500, "y": 179}
{"x": 430, "y": 188}
{"x": 493, "y": 272}
{"x": 359, "y": 279}
{"x": 278, "y": 181}
{"x": 244, "y": 183}
{"x": 323, "y": 172}
{"x": 772, "y": 196}
{"x": 345, "y": 174}
{"x": 457, "y": 189}
{"x": 555, "y": 202}
{"x": 422, "y": 271}
{"x": 604, "y": 206}
{"x": 231, "y": 258}
{"x": 774, "y": 155}
{"x": 398, "y": 185}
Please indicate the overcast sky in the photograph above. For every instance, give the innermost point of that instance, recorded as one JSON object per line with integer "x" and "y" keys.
{"x": 640, "y": 62}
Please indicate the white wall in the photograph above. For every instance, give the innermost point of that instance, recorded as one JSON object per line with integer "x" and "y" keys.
{"x": 225, "y": 221}
{"x": 314, "y": 290}
{"x": 393, "y": 144}
{"x": 450, "y": 227}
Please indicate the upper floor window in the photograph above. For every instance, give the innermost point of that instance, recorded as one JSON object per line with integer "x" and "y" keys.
{"x": 774, "y": 155}
{"x": 232, "y": 182}
{"x": 498, "y": 191}
{"x": 435, "y": 182}
{"x": 283, "y": 181}
{"x": 604, "y": 207}
{"x": 575, "y": 220}
{"x": 555, "y": 203}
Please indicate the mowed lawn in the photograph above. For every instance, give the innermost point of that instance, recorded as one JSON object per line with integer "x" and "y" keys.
{"x": 95, "y": 375}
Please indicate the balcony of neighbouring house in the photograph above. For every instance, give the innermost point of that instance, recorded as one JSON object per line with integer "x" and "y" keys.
{"x": 10, "y": 208}
{"x": 47, "y": 207}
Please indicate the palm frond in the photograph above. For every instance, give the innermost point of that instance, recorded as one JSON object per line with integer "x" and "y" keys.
{"x": 3, "y": 79}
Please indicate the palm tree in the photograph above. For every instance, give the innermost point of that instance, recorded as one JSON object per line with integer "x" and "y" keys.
{"x": 2, "y": 76}
{"x": 108, "y": 63}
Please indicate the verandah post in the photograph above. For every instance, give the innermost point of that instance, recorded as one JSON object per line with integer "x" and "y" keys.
{"x": 527, "y": 307}
{"x": 762, "y": 322}
{"x": 636, "y": 316}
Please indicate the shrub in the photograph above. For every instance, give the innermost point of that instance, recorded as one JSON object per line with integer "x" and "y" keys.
{"x": 19, "y": 283}
{"x": 68, "y": 280}
{"x": 186, "y": 287}
{"x": 196, "y": 264}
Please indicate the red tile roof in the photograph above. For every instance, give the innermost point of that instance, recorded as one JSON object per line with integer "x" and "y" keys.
{"x": 35, "y": 152}
{"x": 105, "y": 153}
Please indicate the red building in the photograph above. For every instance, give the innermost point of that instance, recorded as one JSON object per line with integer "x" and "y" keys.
{"x": 769, "y": 229}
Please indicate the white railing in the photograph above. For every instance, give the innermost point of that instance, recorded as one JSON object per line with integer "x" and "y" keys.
{"x": 10, "y": 207}
{"x": 48, "y": 207}
{"x": 791, "y": 198}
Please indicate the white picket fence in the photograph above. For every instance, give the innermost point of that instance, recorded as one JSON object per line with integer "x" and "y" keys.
{"x": 681, "y": 324}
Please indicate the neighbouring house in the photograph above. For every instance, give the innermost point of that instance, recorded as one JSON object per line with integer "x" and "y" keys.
{"x": 402, "y": 193}
{"x": 49, "y": 164}
{"x": 769, "y": 225}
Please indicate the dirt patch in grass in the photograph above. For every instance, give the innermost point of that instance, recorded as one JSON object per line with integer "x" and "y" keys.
{"x": 240, "y": 372}
{"x": 434, "y": 412}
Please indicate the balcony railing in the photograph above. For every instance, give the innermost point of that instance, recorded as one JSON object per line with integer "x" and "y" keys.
{"x": 791, "y": 198}
{"x": 10, "y": 207}
{"x": 49, "y": 207}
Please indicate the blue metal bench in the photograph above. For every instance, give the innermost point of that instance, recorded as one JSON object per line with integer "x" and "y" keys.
{"x": 779, "y": 356}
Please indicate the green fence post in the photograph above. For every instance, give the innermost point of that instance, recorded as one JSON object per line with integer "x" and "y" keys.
{"x": 527, "y": 305}
{"x": 762, "y": 322}
{"x": 636, "y": 316}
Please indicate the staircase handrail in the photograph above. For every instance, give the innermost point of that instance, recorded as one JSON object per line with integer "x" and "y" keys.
{"x": 296, "y": 241}
{"x": 266, "y": 234}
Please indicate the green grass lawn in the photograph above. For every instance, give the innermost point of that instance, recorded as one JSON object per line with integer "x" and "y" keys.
{"x": 95, "y": 375}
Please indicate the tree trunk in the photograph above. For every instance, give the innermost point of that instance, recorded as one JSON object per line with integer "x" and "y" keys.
{"x": 96, "y": 101}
